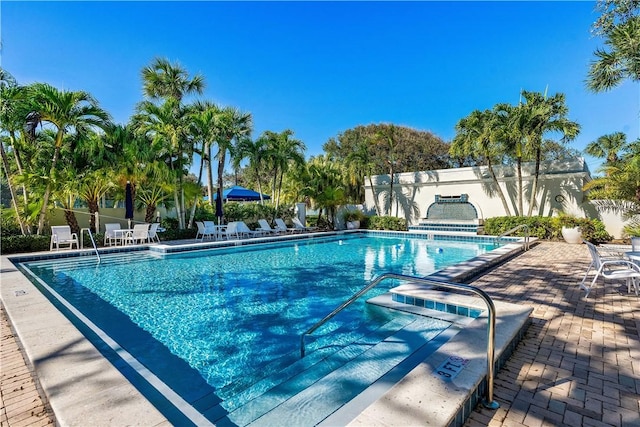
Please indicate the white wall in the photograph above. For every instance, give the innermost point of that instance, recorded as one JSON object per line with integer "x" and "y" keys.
{"x": 559, "y": 190}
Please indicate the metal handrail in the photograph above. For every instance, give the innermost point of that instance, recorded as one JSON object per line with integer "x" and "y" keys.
{"x": 525, "y": 244}
{"x": 93, "y": 242}
{"x": 491, "y": 320}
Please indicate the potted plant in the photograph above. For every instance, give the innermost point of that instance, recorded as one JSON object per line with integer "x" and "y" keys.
{"x": 352, "y": 218}
{"x": 571, "y": 230}
{"x": 633, "y": 231}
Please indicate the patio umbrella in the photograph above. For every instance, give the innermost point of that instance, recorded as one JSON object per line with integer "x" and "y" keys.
{"x": 219, "y": 212}
{"x": 128, "y": 203}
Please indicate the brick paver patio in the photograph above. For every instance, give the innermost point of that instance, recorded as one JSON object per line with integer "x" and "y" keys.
{"x": 579, "y": 364}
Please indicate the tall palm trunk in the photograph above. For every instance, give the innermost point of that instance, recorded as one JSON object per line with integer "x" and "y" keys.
{"x": 150, "y": 213}
{"x": 375, "y": 197}
{"x": 71, "y": 219}
{"x": 503, "y": 199}
{"x": 47, "y": 191}
{"x": 391, "y": 173}
{"x": 209, "y": 175}
{"x": 534, "y": 188}
{"x": 93, "y": 208}
{"x": 221, "y": 160}
{"x": 14, "y": 202}
{"x": 192, "y": 214}
{"x": 18, "y": 159}
{"x": 520, "y": 194}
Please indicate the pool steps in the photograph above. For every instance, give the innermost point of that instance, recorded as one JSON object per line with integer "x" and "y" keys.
{"x": 277, "y": 400}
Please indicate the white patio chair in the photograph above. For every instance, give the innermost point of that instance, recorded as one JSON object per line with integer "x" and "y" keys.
{"x": 203, "y": 231}
{"x": 210, "y": 228}
{"x": 139, "y": 234}
{"x": 610, "y": 269}
{"x": 110, "y": 236}
{"x": 62, "y": 235}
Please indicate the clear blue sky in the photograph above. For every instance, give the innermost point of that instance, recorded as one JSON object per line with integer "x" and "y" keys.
{"x": 320, "y": 68}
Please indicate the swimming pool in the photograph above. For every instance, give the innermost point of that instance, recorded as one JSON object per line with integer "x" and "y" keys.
{"x": 219, "y": 325}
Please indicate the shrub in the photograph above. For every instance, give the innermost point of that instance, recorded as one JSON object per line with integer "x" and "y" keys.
{"x": 549, "y": 228}
{"x": 23, "y": 244}
{"x": 385, "y": 223}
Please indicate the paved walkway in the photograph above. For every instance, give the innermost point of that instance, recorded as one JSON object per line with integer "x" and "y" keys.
{"x": 21, "y": 403}
{"x": 579, "y": 364}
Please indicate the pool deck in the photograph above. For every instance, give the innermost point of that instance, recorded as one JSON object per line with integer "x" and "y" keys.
{"x": 578, "y": 364}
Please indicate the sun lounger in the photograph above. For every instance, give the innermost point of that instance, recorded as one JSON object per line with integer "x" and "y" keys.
{"x": 282, "y": 227}
{"x": 265, "y": 227}
{"x": 300, "y": 226}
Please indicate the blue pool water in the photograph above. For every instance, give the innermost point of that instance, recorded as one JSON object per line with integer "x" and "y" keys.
{"x": 230, "y": 318}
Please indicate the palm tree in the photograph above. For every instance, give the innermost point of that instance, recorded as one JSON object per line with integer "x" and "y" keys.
{"x": 167, "y": 128}
{"x": 66, "y": 112}
{"x": 11, "y": 101}
{"x": 608, "y": 147}
{"x": 232, "y": 125}
{"x": 621, "y": 61}
{"x": 509, "y": 125}
{"x": 164, "y": 80}
{"x": 282, "y": 151}
{"x": 388, "y": 137}
{"x": 476, "y": 136}
{"x": 204, "y": 122}
{"x": 256, "y": 153}
{"x": 542, "y": 115}
{"x": 324, "y": 186}
{"x": 362, "y": 162}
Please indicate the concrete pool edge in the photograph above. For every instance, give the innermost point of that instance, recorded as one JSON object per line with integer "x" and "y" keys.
{"x": 435, "y": 402}
{"x": 61, "y": 355}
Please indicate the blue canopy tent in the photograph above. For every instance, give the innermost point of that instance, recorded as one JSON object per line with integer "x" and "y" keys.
{"x": 240, "y": 194}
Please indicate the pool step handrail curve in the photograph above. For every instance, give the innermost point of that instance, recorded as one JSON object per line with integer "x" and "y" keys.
{"x": 525, "y": 244}
{"x": 489, "y": 402}
{"x": 93, "y": 242}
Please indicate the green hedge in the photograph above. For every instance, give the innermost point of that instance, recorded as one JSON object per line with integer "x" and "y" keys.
{"x": 549, "y": 228}
{"x": 22, "y": 244}
{"x": 384, "y": 223}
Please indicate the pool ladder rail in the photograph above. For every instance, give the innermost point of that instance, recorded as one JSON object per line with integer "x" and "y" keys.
{"x": 525, "y": 243}
{"x": 93, "y": 242}
{"x": 489, "y": 402}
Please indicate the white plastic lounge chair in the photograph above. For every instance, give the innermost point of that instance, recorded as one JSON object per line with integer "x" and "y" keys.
{"x": 110, "y": 236}
{"x": 243, "y": 230}
{"x": 282, "y": 227}
{"x": 153, "y": 232}
{"x": 265, "y": 227}
{"x": 204, "y": 231}
{"x": 139, "y": 234}
{"x": 300, "y": 226}
{"x": 611, "y": 269}
{"x": 62, "y": 235}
